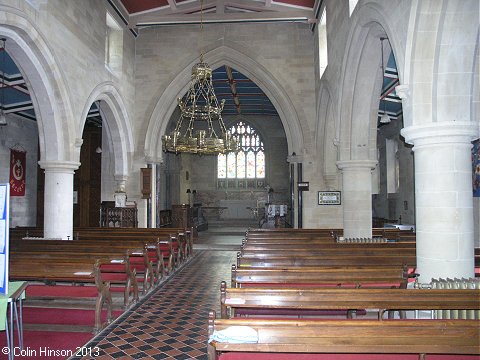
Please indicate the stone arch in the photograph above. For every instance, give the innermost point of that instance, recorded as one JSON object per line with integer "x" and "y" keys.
{"x": 360, "y": 82}
{"x": 117, "y": 124}
{"x": 225, "y": 55}
{"x": 446, "y": 55}
{"x": 48, "y": 91}
{"x": 326, "y": 134}
{"x": 475, "y": 107}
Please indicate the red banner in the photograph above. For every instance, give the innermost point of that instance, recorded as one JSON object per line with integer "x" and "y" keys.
{"x": 18, "y": 167}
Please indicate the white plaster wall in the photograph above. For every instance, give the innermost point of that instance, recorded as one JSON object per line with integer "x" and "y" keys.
{"x": 24, "y": 133}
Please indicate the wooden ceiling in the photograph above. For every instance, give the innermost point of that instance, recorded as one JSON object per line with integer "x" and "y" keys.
{"x": 144, "y": 13}
{"x": 242, "y": 95}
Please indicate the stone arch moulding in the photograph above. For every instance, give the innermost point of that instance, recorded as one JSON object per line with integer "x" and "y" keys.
{"x": 49, "y": 93}
{"x": 359, "y": 91}
{"x": 117, "y": 122}
{"x": 326, "y": 133}
{"x": 224, "y": 55}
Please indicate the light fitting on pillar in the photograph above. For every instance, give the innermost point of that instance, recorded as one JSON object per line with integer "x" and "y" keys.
{"x": 3, "y": 118}
{"x": 384, "y": 119}
{"x": 200, "y": 128}
{"x": 98, "y": 150}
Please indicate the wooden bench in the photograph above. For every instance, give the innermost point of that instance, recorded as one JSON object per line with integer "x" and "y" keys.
{"x": 78, "y": 281}
{"x": 289, "y": 260}
{"x": 344, "y": 250}
{"x": 317, "y": 337}
{"x": 312, "y": 245}
{"x": 302, "y": 301}
{"x": 155, "y": 250}
{"x": 78, "y": 271}
{"x": 333, "y": 260}
{"x": 321, "y": 276}
{"x": 186, "y": 237}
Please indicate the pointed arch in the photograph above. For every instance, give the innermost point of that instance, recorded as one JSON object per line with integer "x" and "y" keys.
{"x": 225, "y": 55}
{"x": 48, "y": 91}
{"x": 360, "y": 82}
{"x": 117, "y": 122}
{"x": 326, "y": 133}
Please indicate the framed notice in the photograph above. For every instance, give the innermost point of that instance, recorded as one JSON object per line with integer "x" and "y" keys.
{"x": 4, "y": 236}
{"x": 329, "y": 198}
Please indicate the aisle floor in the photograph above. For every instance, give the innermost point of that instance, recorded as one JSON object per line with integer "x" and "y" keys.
{"x": 171, "y": 323}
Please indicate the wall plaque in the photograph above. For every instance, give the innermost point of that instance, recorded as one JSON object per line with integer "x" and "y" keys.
{"x": 329, "y": 198}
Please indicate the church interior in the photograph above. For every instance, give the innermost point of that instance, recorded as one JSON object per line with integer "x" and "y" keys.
{"x": 241, "y": 179}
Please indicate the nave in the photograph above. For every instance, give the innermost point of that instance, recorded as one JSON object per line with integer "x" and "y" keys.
{"x": 171, "y": 323}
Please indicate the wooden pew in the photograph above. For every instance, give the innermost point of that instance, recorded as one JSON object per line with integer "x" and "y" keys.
{"x": 101, "y": 248}
{"x": 348, "y": 336}
{"x": 312, "y": 260}
{"x": 79, "y": 270}
{"x": 312, "y": 245}
{"x": 343, "y": 250}
{"x": 266, "y": 235}
{"x": 320, "y": 276}
{"x": 71, "y": 267}
{"x": 79, "y": 278}
{"x": 184, "y": 237}
{"x": 289, "y": 260}
{"x": 302, "y": 300}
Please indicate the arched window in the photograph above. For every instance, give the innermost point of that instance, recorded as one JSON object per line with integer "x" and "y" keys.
{"x": 245, "y": 169}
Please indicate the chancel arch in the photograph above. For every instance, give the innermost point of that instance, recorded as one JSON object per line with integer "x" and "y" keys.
{"x": 219, "y": 56}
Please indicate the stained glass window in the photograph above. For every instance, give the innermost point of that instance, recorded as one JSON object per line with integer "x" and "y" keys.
{"x": 222, "y": 166}
{"x": 249, "y": 162}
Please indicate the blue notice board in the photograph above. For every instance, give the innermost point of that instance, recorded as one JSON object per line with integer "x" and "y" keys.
{"x": 4, "y": 236}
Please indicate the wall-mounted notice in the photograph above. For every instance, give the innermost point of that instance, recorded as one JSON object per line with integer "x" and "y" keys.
{"x": 4, "y": 236}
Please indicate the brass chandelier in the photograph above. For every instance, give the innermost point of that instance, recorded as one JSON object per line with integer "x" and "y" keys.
{"x": 200, "y": 128}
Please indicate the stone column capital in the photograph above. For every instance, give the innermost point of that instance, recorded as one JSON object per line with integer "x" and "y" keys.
{"x": 441, "y": 133}
{"x": 150, "y": 159}
{"x": 293, "y": 159}
{"x": 403, "y": 91}
{"x": 120, "y": 181}
{"x": 120, "y": 177}
{"x": 67, "y": 167}
{"x": 346, "y": 165}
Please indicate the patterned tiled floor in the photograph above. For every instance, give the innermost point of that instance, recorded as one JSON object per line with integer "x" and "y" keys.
{"x": 172, "y": 322}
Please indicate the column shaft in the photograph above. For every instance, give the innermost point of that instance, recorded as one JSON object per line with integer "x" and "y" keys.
{"x": 357, "y": 197}
{"x": 58, "y": 202}
{"x": 444, "y": 200}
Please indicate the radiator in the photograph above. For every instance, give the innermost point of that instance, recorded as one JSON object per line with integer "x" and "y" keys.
{"x": 471, "y": 283}
{"x": 342, "y": 240}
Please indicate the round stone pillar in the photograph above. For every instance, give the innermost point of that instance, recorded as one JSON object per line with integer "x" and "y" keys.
{"x": 58, "y": 199}
{"x": 443, "y": 198}
{"x": 357, "y": 197}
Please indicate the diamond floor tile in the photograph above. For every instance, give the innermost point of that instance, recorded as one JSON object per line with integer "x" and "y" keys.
{"x": 171, "y": 323}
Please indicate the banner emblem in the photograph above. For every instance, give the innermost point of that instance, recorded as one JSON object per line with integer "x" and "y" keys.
{"x": 17, "y": 172}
